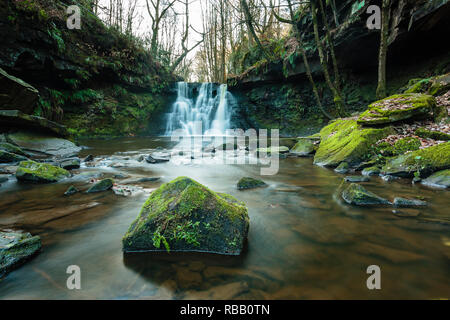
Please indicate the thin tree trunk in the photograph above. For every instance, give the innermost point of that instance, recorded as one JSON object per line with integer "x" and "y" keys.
{"x": 381, "y": 89}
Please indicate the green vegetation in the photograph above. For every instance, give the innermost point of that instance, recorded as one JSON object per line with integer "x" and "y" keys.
{"x": 31, "y": 171}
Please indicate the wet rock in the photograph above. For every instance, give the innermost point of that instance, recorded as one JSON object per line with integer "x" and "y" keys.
{"x": 15, "y": 249}
{"x": 20, "y": 120}
{"x": 103, "y": 185}
{"x": 356, "y": 179}
{"x": 343, "y": 168}
{"x": 346, "y": 141}
{"x": 280, "y": 150}
{"x": 398, "y": 108}
{"x": 154, "y": 160}
{"x": 389, "y": 178}
{"x": 46, "y": 145}
{"x": 183, "y": 215}
{"x": 3, "y": 179}
{"x": 357, "y": 195}
{"x": 372, "y": 171}
{"x": 406, "y": 203}
{"x": 7, "y": 157}
{"x": 71, "y": 191}
{"x": 89, "y": 158}
{"x": 152, "y": 179}
{"x": 250, "y": 183}
{"x": 30, "y": 171}
{"x": 120, "y": 176}
{"x": 70, "y": 164}
{"x": 440, "y": 179}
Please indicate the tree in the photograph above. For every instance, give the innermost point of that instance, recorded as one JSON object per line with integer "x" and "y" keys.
{"x": 381, "y": 89}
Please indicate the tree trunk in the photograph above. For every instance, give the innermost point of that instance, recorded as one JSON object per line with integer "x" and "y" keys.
{"x": 381, "y": 89}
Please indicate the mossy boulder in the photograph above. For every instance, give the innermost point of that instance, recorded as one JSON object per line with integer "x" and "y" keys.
{"x": 250, "y": 183}
{"x": 8, "y": 157}
{"x": 406, "y": 144}
{"x": 30, "y": 171}
{"x": 357, "y": 195}
{"x": 343, "y": 168}
{"x": 13, "y": 149}
{"x": 70, "y": 163}
{"x": 440, "y": 179}
{"x": 185, "y": 216}
{"x": 15, "y": 249}
{"x": 398, "y": 108}
{"x": 371, "y": 171}
{"x": 435, "y": 135}
{"x": 101, "y": 186}
{"x": 304, "y": 147}
{"x": 345, "y": 140}
{"x": 440, "y": 85}
{"x": 425, "y": 161}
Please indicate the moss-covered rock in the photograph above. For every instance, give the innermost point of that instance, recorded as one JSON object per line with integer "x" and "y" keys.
{"x": 8, "y": 157}
{"x": 71, "y": 191}
{"x": 440, "y": 85}
{"x": 435, "y": 135}
{"x": 425, "y": 161}
{"x": 304, "y": 147}
{"x": 343, "y": 168}
{"x": 408, "y": 203}
{"x": 345, "y": 141}
{"x": 15, "y": 249}
{"x": 185, "y": 216}
{"x": 357, "y": 195}
{"x": 250, "y": 183}
{"x": 397, "y": 108}
{"x": 103, "y": 185}
{"x": 440, "y": 179}
{"x": 30, "y": 171}
{"x": 70, "y": 163}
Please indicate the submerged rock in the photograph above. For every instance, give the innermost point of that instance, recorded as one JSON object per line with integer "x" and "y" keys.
{"x": 153, "y": 159}
{"x": 343, "y": 168}
{"x": 406, "y": 203}
{"x": 425, "y": 161}
{"x": 356, "y": 179}
{"x": 8, "y": 157}
{"x": 397, "y": 108}
{"x": 71, "y": 191}
{"x": 357, "y": 195}
{"x": 250, "y": 183}
{"x": 70, "y": 163}
{"x": 103, "y": 185}
{"x": 440, "y": 179}
{"x": 89, "y": 158}
{"x": 30, "y": 171}
{"x": 15, "y": 249}
{"x": 345, "y": 141}
{"x": 185, "y": 216}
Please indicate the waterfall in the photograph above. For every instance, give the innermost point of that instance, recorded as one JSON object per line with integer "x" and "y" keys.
{"x": 208, "y": 103}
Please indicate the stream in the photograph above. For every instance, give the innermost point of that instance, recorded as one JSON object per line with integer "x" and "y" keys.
{"x": 304, "y": 243}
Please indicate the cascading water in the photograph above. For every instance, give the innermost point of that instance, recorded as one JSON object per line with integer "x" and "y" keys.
{"x": 211, "y": 107}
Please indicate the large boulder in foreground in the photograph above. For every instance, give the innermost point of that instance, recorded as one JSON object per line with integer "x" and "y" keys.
{"x": 30, "y": 171}
{"x": 425, "y": 161}
{"x": 15, "y": 249}
{"x": 398, "y": 108}
{"x": 357, "y": 195}
{"x": 185, "y": 216}
{"x": 345, "y": 141}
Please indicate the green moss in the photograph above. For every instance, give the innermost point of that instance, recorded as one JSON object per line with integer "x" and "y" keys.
{"x": 250, "y": 183}
{"x": 397, "y": 108}
{"x": 435, "y": 135}
{"x": 406, "y": 144}
{"x": 419, "y": 86}
{"x": 40, "y": 172}
{"x": 345, "y": 141}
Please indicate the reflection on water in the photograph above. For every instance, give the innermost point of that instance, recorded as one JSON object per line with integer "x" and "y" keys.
{"x": 303, "y": 242}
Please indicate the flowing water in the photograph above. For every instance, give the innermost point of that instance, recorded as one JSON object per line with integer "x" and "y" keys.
{"x": 304, "y": 243}
{"x": 207, "y": 104}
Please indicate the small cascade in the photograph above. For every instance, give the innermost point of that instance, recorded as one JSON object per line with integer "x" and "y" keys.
{"x": 207, "y": 104}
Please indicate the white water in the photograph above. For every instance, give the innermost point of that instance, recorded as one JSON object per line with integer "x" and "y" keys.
{"x": 211, "y": 108}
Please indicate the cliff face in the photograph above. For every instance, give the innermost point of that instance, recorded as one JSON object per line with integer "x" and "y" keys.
{"x": 278, "y": 95}
{"x": 94, "y": 80}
